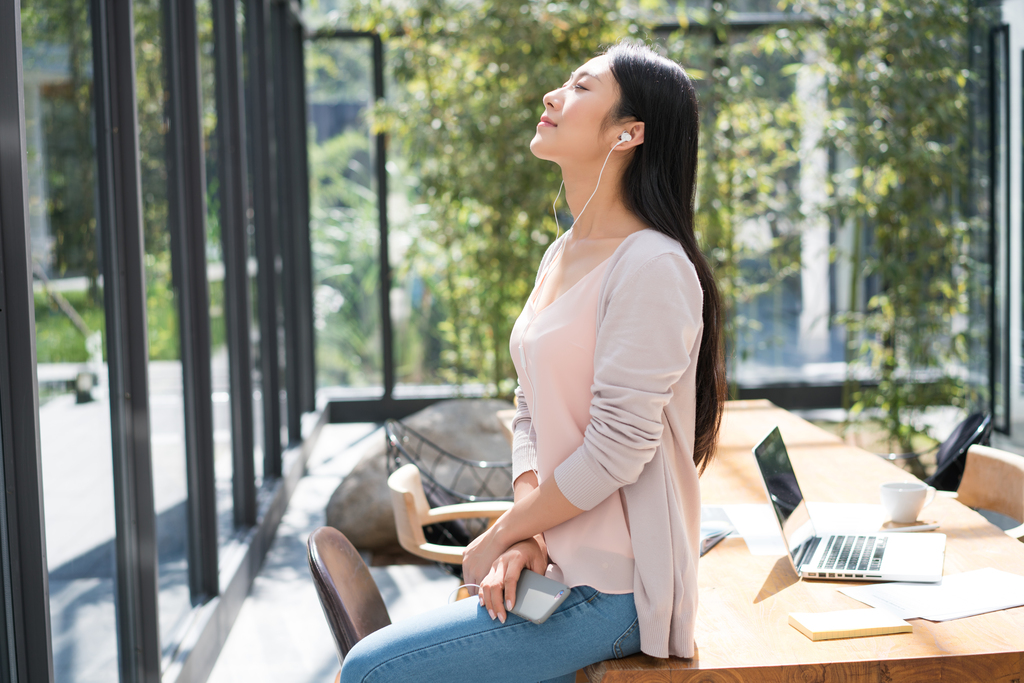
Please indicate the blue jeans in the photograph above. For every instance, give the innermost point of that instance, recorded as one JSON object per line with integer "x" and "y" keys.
{"x": 459, "y": 642}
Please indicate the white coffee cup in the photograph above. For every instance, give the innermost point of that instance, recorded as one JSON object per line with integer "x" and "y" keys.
{"x": 903, "y": 500}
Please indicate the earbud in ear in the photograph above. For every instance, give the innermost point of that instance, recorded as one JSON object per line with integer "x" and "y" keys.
{"x": 625, "y": 137}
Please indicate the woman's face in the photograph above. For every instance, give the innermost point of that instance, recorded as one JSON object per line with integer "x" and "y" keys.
{"x": 574, "y": 123}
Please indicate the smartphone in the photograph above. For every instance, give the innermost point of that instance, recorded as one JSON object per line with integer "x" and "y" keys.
{"x": 537, "y": 597}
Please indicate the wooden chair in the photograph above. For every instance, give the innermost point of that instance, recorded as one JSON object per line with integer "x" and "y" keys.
{"x": 413, "y": 512}
{"x": 994, "y": 480}
{"x": 350, "y": 599}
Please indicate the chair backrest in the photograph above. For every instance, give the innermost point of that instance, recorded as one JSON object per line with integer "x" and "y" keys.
{"x": 952, "y": 455}
{"x": 994, "y": 480}
{"x": 410, "y": 505}
{"x": 350, "y": 598}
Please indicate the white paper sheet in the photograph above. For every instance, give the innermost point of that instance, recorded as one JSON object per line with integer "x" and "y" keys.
{"x": 958, "y": 595}
{"x": 757, "y": 525}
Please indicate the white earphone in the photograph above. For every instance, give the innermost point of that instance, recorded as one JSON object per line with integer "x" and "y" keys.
{"x": 623, "y": 137}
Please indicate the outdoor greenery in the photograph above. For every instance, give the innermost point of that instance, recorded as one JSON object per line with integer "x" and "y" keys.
{"x": 749, "y": 209}
{"x": 344, "y": 216}
{"x": 471, "y": 78}
{"x": 478, "y": 73}
{"x": 62, "y": 194}
{"x": 63, "y": 171}
{"x": 888, "y": 104}
{"x": 897, "y": 83}
{"x": 470, "y": 207}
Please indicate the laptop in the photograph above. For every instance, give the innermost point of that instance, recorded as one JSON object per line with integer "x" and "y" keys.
{"x": 849, "y": 557}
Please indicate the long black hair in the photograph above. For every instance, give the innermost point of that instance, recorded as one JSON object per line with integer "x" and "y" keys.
{"x": 659, "y": 186}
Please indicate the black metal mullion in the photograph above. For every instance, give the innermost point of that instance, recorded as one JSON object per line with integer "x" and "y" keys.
{"x": 187, "y": 219}
{"x": 234, "y": 205}
{"x": 288, "y": 163}
{"x": 1009, "y": 232}
{"x": 998, "y": 322}
{"x": 279, "y": 146}
{"x": 993, "y": 252}
{"x": 299, "y": 223}
{"x": 265, "y": 212}
{"x": 124, "y": 290}
{"x": 278, "y": 19}
{"x": 304, "y": 247}
{"x": 382, "y": 203}
{"x": 27, "y": 653}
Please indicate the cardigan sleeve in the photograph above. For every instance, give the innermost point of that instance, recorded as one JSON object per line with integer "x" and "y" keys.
{"x": 524, "y": 439}
{"x": 646, "y": 339}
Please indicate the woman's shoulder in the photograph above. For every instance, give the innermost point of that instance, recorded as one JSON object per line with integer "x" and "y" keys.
{"x": 651, "y": 251}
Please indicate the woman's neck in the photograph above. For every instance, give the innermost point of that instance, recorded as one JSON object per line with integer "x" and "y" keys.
{"x": 606, "y": 214}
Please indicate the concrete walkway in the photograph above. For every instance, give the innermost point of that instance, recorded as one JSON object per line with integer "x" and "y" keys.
{"x": 281, "y": 633}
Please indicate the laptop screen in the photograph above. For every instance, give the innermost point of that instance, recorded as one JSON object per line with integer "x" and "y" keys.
{"x": 784, "y": 495}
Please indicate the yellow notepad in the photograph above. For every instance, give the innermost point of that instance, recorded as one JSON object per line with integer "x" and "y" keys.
{"x": 848, "y": 623}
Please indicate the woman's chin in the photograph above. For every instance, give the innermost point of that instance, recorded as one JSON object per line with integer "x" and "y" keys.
{"x": 538, "y": 147}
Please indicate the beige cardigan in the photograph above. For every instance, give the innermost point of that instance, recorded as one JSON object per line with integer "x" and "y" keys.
{"x": 640, "y": 438}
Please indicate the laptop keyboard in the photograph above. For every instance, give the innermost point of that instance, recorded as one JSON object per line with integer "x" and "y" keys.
{"x": 853, "y": 553}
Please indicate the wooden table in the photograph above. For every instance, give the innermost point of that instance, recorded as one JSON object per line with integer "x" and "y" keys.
{"x": 742, "y": 629}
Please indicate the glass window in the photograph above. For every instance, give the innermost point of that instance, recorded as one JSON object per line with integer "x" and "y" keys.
{"x": 223, "y": 466}
{"x": 421, "y": 270}
{"x": 74, "y": 410}
{"x": 344, "y": 227}
{"x": 166, "y": 393}
{"x": 772, "y": 263}
{"x": 986, "y": 293}
{"x": 419, "y": 266}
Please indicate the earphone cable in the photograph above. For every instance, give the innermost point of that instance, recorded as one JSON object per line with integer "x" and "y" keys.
{"x": 554, "y": 210}
{"x": 458, "y": 588}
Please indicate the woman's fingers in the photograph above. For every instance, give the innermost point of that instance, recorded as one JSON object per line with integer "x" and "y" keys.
{"x": 512, "y": 572}
{"x": 498, "y": 589}
{"x": 500, "y": 578}
{"x": 491, "y": 592}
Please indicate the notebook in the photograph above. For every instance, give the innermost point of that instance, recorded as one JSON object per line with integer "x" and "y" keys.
{"x": 848, "y": 557}
{"x": 848, "y": 623}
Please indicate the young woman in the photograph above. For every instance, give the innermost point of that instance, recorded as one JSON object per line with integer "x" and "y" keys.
{"x": 619, "y": 356}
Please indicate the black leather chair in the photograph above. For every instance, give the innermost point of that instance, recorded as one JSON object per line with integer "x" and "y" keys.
{"x": 975, "y": 430}
{"x": 350, "y": 598}
{"x": 951, "y": 459}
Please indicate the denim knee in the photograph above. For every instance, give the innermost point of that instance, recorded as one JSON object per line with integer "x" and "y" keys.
{"x": 358, "y": 663}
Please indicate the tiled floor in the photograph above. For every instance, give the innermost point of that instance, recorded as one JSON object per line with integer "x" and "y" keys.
{"x": 281, "y": 634}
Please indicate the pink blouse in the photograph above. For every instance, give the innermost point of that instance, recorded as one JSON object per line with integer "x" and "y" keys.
{"x": 553, "y": 353}
{"x": 638, "y": 445}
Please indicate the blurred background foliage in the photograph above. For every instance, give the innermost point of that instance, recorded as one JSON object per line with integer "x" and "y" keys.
{"x": 471, "y": 77}
{"x": 897, "y": 77}
{"x": 470, "y": 207}
{"x": 879, "y": 87}
{"x": 749, "y": 208}
{"x": 70, "y": 178}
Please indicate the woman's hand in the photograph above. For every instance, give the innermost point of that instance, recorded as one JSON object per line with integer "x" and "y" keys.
{"x": 479, "y": 555}
{"x": 498, "y": 588}
{"x": 535, "y": 511}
